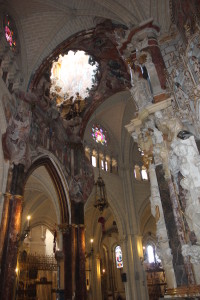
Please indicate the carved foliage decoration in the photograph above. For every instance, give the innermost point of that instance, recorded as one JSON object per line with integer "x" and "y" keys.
{"x": 184, "y": 83}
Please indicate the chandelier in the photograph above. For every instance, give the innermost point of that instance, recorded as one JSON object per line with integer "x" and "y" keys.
{"x": 100, "y": 194}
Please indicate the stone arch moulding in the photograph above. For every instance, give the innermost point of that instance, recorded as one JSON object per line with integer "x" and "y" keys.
{"x": 112, "y": 76}
{"x": 59, "y": 182}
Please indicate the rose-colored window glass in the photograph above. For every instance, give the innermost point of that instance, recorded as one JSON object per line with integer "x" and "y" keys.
{"x": 99, "y": 135}
{"x": 9, "y": 33}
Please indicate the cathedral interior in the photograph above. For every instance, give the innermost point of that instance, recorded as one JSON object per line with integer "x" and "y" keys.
{"x": 99, "y": 152}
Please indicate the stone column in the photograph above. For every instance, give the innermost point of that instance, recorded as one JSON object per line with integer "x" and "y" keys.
{"x": 80, "y": 264}
{"x": 178, "y": 260}
{"x": 163, "y": 249}
{"x": 4, "y": 222}
{"x": 78, "y": 251}
{"x": 181, "y": 231}
{"x": 111, "y": 164}
{"x": 59, "y": 256}
{"x": 81, "y": 177}
{"x": 95, "y": 277}
{"x": 5, "y": 212}
{"x": 12, "y": 235}
{"x": 9, "y": 260}
{"x": 69, "y": 250}
{"x": 135, "y": 284}
{"x": 187, "y": 158}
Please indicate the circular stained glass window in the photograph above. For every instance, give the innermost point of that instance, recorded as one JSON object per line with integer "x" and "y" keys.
{"x": 9, "y": 32}
{"x": 99, "y": 134}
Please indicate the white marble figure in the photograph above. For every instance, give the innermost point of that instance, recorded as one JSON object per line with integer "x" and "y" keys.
{"x": 140, "y": 90}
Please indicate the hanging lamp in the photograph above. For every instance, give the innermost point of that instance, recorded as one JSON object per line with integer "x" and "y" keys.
{"x": 100, "y": 194}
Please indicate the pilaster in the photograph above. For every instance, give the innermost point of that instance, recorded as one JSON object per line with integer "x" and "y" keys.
{"x": 95, "y": 292}
{"x": 135, "y": 286}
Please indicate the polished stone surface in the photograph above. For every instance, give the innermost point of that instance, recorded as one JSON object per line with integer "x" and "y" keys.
{"x": 175, "y": 245}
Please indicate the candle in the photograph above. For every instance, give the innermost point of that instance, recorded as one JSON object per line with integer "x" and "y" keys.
{"x": 28, "y": 219}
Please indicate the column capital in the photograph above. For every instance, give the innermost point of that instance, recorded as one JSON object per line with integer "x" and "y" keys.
{"x": 80, "y": 225}
{"x": 18, "y": 197}
{"x": 137, "y": 123}
{"x": 65, "y": 227}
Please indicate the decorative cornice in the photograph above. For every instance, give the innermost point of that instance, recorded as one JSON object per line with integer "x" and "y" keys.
{"x": 136, "y": 123}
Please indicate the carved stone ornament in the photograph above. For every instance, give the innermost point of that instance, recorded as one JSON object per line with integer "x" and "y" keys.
{"x": 163, "y": 249}
{"x": 16, "y": 138}
{"x": 193, "y": 251}
{"x": 186, "y": 159}
{"x": 140, "y": 89}
{"x": 184, "y": 85}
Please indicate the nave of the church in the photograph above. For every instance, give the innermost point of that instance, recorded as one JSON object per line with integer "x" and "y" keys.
{"x": 99, "y": 152}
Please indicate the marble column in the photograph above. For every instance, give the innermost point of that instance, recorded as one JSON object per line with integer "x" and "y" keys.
{"x": 187, "y": 158}
{"x": 181, "y": 230}
{"x": 4, "y": 222}
{"x": 69, "y": 250}
{"x": 12, "y": 235}
{"x": 9, "y": 258}
{"x": 80, "y": 265}
{"x": 164, "y": 249}
{"x": 173, "y": 234}
{"x": 78, "y": 272}
{"x": 5, "y": 212}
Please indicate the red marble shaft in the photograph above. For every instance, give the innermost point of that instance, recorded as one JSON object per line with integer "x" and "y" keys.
{"x": 13, "y": 233}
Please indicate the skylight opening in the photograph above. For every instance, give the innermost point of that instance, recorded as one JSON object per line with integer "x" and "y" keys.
{"x": 73, "y": 73}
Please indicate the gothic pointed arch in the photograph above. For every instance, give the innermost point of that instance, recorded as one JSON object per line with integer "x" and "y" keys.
{"x": 59, "y": 182}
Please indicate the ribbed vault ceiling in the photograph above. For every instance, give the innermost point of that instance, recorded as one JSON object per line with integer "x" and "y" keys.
{"x": 42, "y": 26}
{"x": 40, "y": 199}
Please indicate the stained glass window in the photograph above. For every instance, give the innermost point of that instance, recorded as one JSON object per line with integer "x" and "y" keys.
{"x": 9, "y": 32}
{"x": 99, "y": 135}
{"x": 118, "y": 257}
